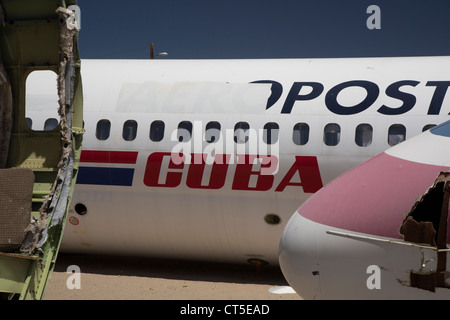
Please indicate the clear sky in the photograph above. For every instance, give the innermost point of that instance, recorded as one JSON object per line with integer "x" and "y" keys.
{"x": 218, "y": 29}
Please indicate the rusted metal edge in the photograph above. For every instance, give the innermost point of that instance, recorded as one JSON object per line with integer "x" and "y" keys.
{"x": 56, "y": 202}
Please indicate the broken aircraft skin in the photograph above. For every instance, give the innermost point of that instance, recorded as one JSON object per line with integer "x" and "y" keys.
{"x": 427, "y": 224}
{"x": 389, "y": 214}
{"x": 37, "y": 169}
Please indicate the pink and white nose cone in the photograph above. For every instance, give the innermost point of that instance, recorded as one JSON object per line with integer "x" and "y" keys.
{"x": 345, "y": 241}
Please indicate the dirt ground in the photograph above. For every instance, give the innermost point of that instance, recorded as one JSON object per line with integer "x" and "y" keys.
{"x": 125, "y": 278}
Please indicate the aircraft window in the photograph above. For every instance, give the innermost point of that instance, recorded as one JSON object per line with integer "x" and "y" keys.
{"x": 129, "y": 131}
{"x": 157, "y": 130}
{"x": 300, "y": 135}
{"x": 270, "y": 135}
{"x": 397, "y": 134}
{"x": 103, "y": 129}
{"x": 184, "y": 131}
{"x": 50, "y": 124}
{"x": 241, "y": 132}
{"x": 332, "y": 134}
{"x": 428, "y": 127}
{"x": 363, "y": 135}
{"x": 212, "y": 132}
{"x": 29, "y": 122}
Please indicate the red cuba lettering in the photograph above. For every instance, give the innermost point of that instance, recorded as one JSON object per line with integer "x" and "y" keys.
{"x": 308, "y": 169}
{"x": 153, "y": 170}
{"x": 252, "y": 172}
{"x": 218, "y": 172}
{"x": 244, "y": 171}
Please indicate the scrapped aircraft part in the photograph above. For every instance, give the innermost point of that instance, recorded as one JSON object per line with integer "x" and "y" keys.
{"x": 423, "y": 250}
{"x": 427, "y": 223}
{"x": 37, "y": 36}
{"x": 16, "y": 192}
{"x": 5, "y": 112}
{"x": 57, "y": 200}
{"x": 420, "y": 232}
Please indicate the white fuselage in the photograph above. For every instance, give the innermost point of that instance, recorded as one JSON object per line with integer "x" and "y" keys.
{"x": 236, "y": 210}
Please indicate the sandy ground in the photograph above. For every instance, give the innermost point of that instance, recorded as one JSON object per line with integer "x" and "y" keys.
{"x": 124, "y": 278}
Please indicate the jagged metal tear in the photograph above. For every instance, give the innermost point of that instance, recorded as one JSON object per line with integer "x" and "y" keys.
{"x": 38, "y": 231}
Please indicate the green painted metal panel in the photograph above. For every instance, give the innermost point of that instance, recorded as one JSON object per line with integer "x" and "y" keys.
{"x": 30, "y": 40}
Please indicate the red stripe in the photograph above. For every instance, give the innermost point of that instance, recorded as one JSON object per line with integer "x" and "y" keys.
{"x": 108, "y": 156}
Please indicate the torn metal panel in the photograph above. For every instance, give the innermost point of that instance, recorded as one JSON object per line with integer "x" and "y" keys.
{"x": 415, "y": 266}
{"x": 427, "y": 223}
{"x": 418, "y": 232}
{"x": 39, "y": 35}
{"x": 57, "y": 200}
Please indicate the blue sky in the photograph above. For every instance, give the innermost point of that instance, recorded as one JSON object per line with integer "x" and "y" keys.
{"x": 245, "y": 29}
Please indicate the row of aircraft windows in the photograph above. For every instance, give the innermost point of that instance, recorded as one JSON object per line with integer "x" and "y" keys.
{"x": 300, "y": 133}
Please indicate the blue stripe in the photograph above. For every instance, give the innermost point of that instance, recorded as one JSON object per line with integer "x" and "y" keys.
{"x": 105, "y": 176}
{"x": 442, "y": 130}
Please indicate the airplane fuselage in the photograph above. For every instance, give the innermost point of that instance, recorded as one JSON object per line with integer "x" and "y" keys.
{"x": 208, "y": 159}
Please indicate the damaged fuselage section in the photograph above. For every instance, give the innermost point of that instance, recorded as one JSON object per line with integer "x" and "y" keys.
{"x": 38, "y": 169}
{"x": 412, "y": 265}
{"x": 426, "y": 224}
